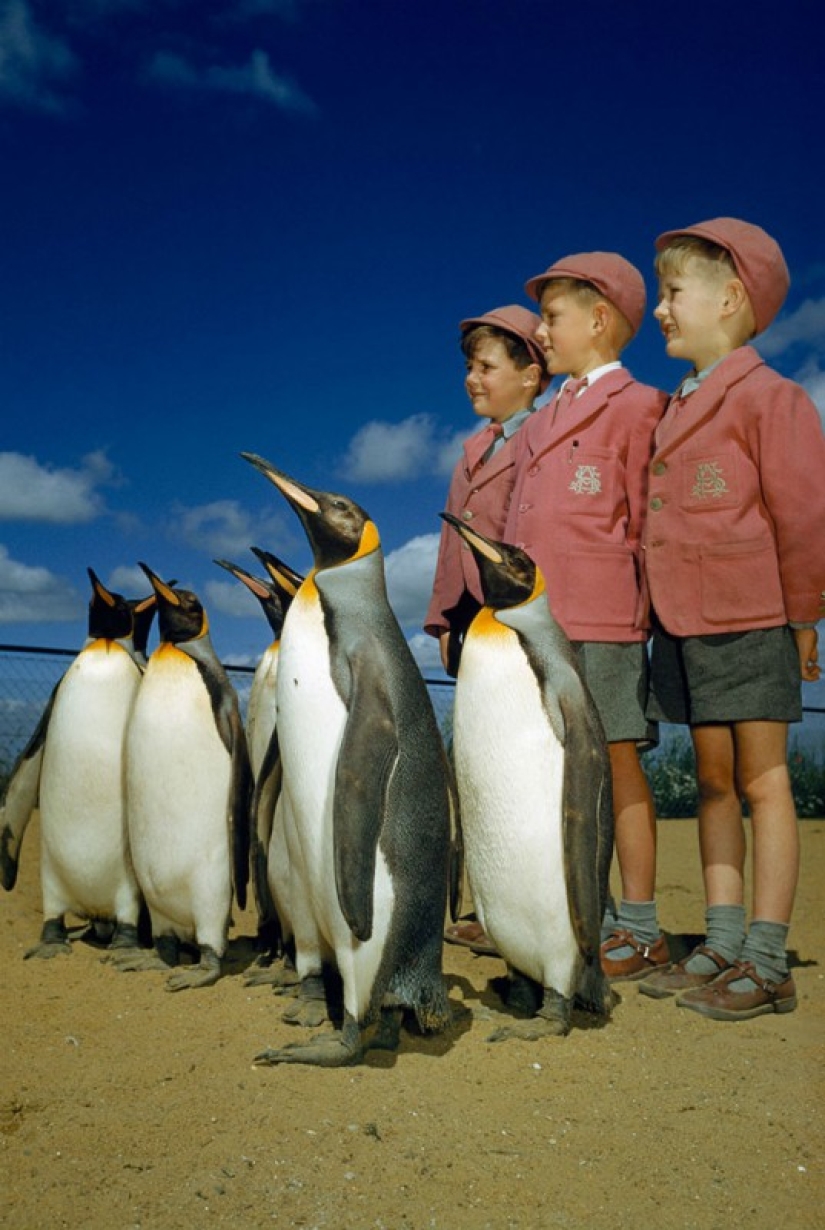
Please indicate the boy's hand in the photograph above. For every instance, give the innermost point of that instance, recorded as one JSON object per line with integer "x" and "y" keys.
{"x": 807, "y": 648}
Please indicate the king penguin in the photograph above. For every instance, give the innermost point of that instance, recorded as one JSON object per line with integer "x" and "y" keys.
{"x": 366, "y": 780}
{"x": 534, "y": 787}
{"x": 22, "y": 792}
{"x": 269, "y": 858}
{"x": 85, "y": 866}
{"x": 188, "y": 786}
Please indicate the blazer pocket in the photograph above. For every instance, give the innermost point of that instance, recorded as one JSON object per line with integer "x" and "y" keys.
{"x": 587, "y": 480}
{"x": 739, "y": 583}
{"x": 710, "y": 481}
{"x": 602, "y": 586}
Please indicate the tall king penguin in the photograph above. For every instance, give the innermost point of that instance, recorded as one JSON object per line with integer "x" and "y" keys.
{"x": 366, "y": 779}
{"x": 188, "y": 788}
{"x": 85, "y": 867}
{"x": 535, "y": 792}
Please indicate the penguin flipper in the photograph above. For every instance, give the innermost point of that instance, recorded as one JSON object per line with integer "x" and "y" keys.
{"x": 240, "y": 808}
{"x": 21, "y": 796}
{"x": 366, "y": 760}
{"x": 586, "y": 801}
{"x": 456, "y": 880}
{"x": 264, "y": 802}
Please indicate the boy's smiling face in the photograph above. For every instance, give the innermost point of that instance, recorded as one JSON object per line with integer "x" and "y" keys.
{"x": 566, "y": 332}
{"x": 495, "y": 386}
{"x": 690, "y": 310}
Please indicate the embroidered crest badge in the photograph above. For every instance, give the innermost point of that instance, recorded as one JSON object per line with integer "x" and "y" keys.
{"x": 586, "y": 481}
{"x": 709, "y": 483}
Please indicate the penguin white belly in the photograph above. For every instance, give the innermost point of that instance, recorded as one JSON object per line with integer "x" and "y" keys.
{"x": 260, "y": 721}
{"x": 178, "y": 780}
{"x": 85, "y": 865}
{"x": 311, "y": 723}
{"x": 510, "y": 772}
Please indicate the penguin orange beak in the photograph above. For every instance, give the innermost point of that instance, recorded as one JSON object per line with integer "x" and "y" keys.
{"x": 473, "y": 539}
{"x": 100, "y": 589}
{"x": 257, "y": 587}
{"x": 160, "y": 587}
{"x": 289, "y": 580}
{"x": 298, "y": 496}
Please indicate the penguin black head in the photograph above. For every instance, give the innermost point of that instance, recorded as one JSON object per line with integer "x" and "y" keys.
{"x": 110, "y": 616}
{"x": 180, "y": 614}
{"x": 264, "y": 591}
{"x": 338, "y": 529}
{"x": 509, "y": 577}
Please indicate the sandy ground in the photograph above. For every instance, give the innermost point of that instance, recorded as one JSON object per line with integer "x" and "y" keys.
{"x": 124, "y": 1106}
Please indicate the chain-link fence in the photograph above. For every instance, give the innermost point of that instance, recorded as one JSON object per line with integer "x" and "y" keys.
{"x": 29, "y": 676}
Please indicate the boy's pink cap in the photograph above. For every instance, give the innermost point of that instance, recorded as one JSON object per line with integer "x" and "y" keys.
{"x": 519, "y": 321}
{"x": 758, "y": 260}
{"x": 611, "y": 274}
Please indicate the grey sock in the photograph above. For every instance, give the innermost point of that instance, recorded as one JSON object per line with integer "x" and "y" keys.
{"x": 765, "y": 948}
{"x": 639, "y": 918}
{"x": 725, "y": 926}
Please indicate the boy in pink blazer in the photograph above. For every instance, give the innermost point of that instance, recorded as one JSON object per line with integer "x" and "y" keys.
{"x": 505, "y": 374}
{"x": 735, "y": 565}
{"x": 577, "y": 509}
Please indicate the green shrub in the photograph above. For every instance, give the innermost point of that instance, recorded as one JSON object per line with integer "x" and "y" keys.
{"x": 671, "y": 771}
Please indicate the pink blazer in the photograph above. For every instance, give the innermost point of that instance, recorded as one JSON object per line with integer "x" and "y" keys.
{"x": 578, "y": 504}
{"x": 482, "y": 500}
{"x": 735, "y": 535}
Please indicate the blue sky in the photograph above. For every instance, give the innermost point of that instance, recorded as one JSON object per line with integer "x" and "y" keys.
{"x": 255, "y": 226}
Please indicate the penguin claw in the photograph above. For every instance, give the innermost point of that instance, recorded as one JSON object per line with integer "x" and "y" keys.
{"x": 530, "y": 1031}
{"x": 47, "y": 950}
{"x": 194, "y": 976}
{"x": 310, "y": 1013}
{"x": 326, "y": 1051}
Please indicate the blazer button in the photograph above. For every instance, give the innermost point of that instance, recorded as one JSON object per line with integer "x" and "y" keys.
{"x": 533, "y": 471}
{"x": 659, "y": 468}
{"x": 656, "y": 503}
{"x": 467, "y": 514}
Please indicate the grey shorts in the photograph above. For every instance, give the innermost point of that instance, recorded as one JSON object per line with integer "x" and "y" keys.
{"x": 731, "y": 677}
{"x": 616, "y": 675}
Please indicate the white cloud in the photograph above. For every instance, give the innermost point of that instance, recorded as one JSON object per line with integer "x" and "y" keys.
{"x": 35, "y": 595}
{"x": 234, "y": 599}
{"x": 130, "y": 581}
{"x": 382, "y": 452}
{"x": 805, "y": 326}
{"x": 32, "y": 63}
{"x": 256, "y": 78}
{"x": 425, "y": 650}
{"x": 812, "y": 378}
{"x": 410, "y": 571}
{"x": 226, "y": 530}
{"x": 31, "y": 491}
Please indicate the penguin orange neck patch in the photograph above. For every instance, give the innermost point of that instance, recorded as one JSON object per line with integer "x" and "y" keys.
{"x": 370, "y": 540}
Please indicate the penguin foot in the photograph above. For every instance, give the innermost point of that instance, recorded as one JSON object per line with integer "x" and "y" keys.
{"x": 309, "y": 1007}
{"x": 135, "y": 960}
{"x": 328, "y": 1051}
{"x": 205, "y": 974}
{"x": 54, "y": 941}
{"x": 125, "y": 938}
{"x": 46, "y": 951}
{"x": 553, "y": 1019}
{"x": 278, "y": 976}
{"x": 338, "y": 1050}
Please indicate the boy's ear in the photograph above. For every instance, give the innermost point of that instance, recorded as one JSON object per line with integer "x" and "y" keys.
{"x": 600, "y": 317}
{"x": 733, "y": 297}
{"x": 531, "y": 376}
